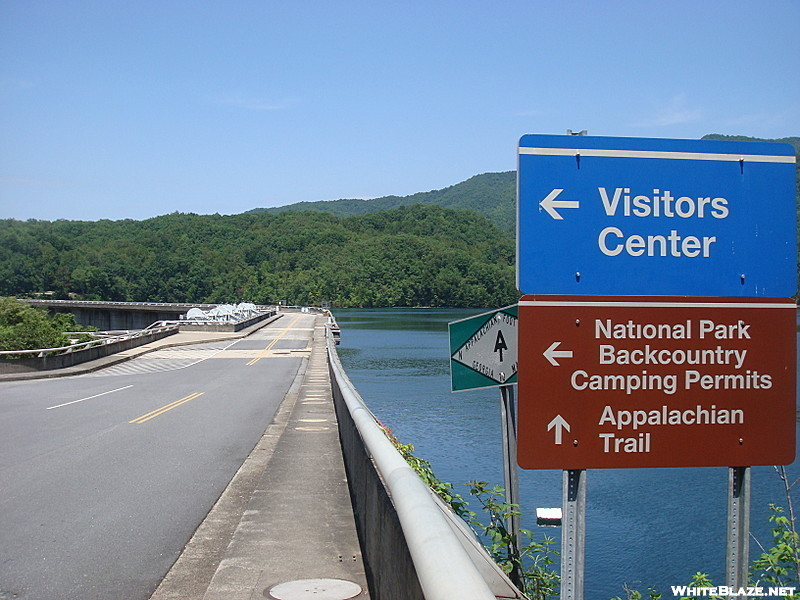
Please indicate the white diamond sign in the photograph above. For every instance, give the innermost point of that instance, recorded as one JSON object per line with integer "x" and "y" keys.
{"x": 483, "y": 350}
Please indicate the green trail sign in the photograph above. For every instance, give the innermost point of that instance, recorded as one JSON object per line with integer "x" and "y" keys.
{"x": 483, "y": 350}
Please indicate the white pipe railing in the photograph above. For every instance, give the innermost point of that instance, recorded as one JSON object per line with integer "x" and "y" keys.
{"x": 40, "y": 352}
{"x": 443, "y": 567}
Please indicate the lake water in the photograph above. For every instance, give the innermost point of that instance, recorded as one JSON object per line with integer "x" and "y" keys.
{"x": 643, "y": 526}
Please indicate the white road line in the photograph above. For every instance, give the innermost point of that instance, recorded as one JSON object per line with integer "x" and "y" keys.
{"x": 90, "y": 397}
{"x": 212, "y": 356}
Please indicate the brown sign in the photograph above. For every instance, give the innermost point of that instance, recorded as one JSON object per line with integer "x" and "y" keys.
{"x": 620, "y": 382}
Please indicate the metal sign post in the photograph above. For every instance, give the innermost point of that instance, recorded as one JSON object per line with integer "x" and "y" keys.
{"x": 483, "y": 353}
{"x": 508, "y": 416}
{"x": 738, "y": 546}
{"x": 573, "y": 533}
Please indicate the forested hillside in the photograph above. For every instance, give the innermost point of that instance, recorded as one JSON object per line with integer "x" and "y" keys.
{"x": 492, "y": 195}
{"x": 409, "y": 256}
{"x": 392, "y": 251}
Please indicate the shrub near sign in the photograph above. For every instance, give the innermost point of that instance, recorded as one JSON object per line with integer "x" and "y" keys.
{"x": 656, "y": 382}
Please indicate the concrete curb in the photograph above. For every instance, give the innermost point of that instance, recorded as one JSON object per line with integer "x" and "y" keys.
{"x": 191, "y": 575}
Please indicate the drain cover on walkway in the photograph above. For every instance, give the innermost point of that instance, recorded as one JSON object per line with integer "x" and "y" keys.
{"x": 315, "y": 589}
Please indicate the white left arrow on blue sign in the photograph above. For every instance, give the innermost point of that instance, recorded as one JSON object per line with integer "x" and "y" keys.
{"x": 550, "y": 204}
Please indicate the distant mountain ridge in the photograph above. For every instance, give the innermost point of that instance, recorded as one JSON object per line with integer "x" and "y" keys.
{"x": 492, "y": 195}
{"x": 794, "y": 141}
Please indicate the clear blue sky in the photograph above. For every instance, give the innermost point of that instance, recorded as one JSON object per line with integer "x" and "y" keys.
{"x": 118, "y": 109}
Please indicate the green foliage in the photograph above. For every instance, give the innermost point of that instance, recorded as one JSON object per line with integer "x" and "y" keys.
{"x": 631, "y": 594}
{"x": 702, "y": 580}
{"x": 26, "y": 328}
{"x": 777, "y": 566}
{"x": 492, "y": 195}
{"x": 527, "y": 561}
{"x": 502, "y": 546}
{"x": 780, "y": 564}
{"x": 423, "y": 468}
{"x": 409, "y": 256}
{"x": 698, "y": 580}
{"x": 415, "y": 250}
{"x": 794, "y": 141}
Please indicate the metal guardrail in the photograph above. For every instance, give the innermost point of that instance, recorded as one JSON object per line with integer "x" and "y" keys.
{"x": 444, "y": 568}
{"x": 41, "y": 352}
{"x": 114, "y": 304}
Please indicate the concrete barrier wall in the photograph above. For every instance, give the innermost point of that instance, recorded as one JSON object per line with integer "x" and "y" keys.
{"x": 388, "y": 563}
{"x": 414, "y": 547}
{"x": 46, "y": 363}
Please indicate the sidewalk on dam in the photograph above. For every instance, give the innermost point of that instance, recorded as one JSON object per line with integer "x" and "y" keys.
{"x": 284, "y": 527}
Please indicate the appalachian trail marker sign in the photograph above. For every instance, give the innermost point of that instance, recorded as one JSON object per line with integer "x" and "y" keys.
{"x": 483, "y": 350}
{"x": 483, "y": 353}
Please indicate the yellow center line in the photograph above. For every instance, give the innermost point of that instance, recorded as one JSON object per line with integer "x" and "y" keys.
{"x": 163, "y": 409}
{"x": 263, "y": 353}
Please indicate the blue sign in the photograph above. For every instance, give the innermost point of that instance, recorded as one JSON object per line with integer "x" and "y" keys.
{"x": 637, "y": 216}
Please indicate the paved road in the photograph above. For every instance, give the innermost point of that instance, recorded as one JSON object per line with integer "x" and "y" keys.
{"x": 104, "y": 477}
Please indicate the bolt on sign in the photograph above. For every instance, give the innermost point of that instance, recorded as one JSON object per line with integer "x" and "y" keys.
{"x": 632, "y": 382}
{"x": 483, "y": 350}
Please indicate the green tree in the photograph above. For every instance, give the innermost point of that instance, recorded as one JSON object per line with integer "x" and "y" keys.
{"x": 26, "y": 328}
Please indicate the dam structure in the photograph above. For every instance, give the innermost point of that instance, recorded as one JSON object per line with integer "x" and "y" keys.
{"x": 320, "y": 505}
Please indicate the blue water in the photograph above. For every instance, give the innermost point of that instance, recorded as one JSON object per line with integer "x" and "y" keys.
{"x": 644, "y": 527}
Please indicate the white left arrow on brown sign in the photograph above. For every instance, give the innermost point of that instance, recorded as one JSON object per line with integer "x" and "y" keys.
{"x": 552, "y": 354}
